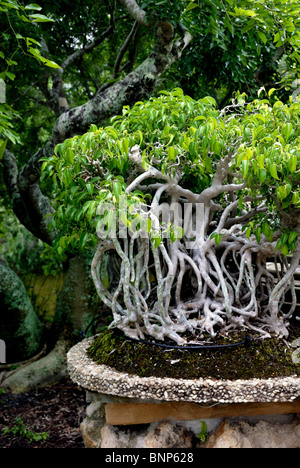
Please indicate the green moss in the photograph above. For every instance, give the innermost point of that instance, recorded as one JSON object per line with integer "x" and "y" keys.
{"x": 262, "y": 359}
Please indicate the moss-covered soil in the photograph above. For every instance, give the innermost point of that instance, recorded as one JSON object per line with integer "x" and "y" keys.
{"x": 267, "y": 358}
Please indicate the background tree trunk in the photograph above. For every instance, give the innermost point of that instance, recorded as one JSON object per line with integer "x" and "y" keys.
{"x": 20, "y": 327}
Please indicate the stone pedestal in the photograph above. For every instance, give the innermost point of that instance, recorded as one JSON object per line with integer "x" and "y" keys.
{"x": 127, "y": 411}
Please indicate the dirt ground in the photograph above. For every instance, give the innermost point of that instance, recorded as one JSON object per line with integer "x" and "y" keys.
{"x": 56, "y": 411}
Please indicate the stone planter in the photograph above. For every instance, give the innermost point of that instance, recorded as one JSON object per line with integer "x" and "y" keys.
{"x": 176, "y": 408}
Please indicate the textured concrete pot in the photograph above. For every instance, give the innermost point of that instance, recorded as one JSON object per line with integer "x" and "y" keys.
{"x": 103, "y": 379}
{"x": 128, "y": 411}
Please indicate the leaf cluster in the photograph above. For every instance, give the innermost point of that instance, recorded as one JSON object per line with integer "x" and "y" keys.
{"x": 19, "y": 429}
{"x": 239, "y": 45}
{"x": 180, "y": 136}
{"x": 15, "y": 16}
{"x": 18, "y": 26}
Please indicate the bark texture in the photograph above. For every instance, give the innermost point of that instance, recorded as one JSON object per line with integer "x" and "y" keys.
{"x": 20, "y": 327}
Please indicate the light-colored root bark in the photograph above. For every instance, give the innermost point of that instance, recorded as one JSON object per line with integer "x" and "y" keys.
{"x": 228, "y": 287}
{"x": 184, "y": 289}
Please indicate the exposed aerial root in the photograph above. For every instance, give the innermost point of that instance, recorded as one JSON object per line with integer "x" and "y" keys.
{"x": 183, "y": 289}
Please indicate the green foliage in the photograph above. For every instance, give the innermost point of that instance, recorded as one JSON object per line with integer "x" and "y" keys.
{"x": 28, "y": 45}
{"x": 238, "y": 45}
{"x": 19, "y": 429}
{"x": 164, "y": 9}
{"x": 175, "y": 132}
{"x": 13, "y": 17}
{"x": 202, "y": 436}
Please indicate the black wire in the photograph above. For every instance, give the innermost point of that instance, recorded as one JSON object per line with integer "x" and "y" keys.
{"x": 246, "y": 343}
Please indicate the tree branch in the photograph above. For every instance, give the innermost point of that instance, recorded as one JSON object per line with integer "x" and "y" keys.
{"x": 28, "y": 203}
{"x": 135, "y": 86}
{"x": 88, "y": 48}
{"x": 57, "y": 92}
{"x": 135, "y": 11}
{"x": 124, "y": 48}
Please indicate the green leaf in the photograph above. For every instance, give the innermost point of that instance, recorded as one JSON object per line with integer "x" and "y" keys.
{"x": 242, "y": 12}
{"x": 86, "y": 205}
{"x": 273, "y": 171}
{"x": 10, "y": 75}
{"x": 147, "y": 225}
{"x": 11, "y": 4}
{"x": 69, "y": 156}
{"x": 125, "y": 145}
{"x": 296, "y": 198}
{"x": 124, "y": 219}
{"x": 292, "y": 163}
{"x": 83, "y": 240}
{"x": 278, "y": 244}
{"x": 78, "y": 215}
{"x": 2, "y": 148}
{"x": 90, "y": 189}
{"x": 245, "y": 168}
{"x": 30, "y": 40}
{"x": 171, "y": 153}
{"x": 37, "y": 18}
{"x": 260, "y": 160}
{"x": 156, "y": 241}
{"x": 2, "y": 92}
{"x": 266, "y": 229}
{"x": 262, "y": 174}
{"x": 287, "y": 131}
{"x": 284, "y": 238}
{"x": 281, "y": 193}
{"x": 67, "y": 177}
{"x": 292, "y": 237}
{"x": 272, "y": 91}
{"x": 258, "y": 234}
{"x": 117, "y": 189}
{"x": 36, "y": 53}
{"x": 141, "y": 137}
{"x": 190, "y": 6}
{"x": 50, "y": 64}
{"x": 33, "y": 6}
{"x": 217, "y": 237}
{"x": 288, "y": 188}
{"x": 262, "y": 36}
{"x": 91, "y": 210}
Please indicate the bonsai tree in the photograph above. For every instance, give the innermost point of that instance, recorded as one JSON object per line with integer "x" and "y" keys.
{"x": 188, "y": 205}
